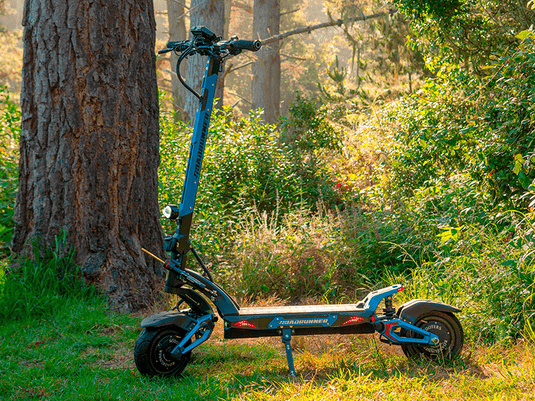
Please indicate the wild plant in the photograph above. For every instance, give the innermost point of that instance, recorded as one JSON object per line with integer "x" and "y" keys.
{"x": 9, "y": 136}
{"x": 38, "y": 285}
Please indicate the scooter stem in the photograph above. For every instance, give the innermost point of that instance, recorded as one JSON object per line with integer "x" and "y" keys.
{"x": 196, "y": 155}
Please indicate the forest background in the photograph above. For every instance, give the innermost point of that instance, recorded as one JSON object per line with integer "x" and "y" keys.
{"x": 403, "y": 153}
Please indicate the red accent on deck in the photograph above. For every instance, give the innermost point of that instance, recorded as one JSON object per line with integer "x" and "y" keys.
{"x": 354, "y": 319}
{"x": 245, "y": 323}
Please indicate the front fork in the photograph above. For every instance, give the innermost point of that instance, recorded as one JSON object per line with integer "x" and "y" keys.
{"x": 201, "y": 330}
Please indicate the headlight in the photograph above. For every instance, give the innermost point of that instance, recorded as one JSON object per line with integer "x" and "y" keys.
{"x": 170, "y": 212}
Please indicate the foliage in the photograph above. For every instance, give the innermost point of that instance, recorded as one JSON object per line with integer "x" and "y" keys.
{"x": 458, "y": 154}
{"x": 335, "y": 255}
{"x": 436, "y": 10}
{"x": 459, "y": 123}
{"x": 248, "y": 164}
{"x": 308, "y": 132}
{"x": 466, "y": 32}
{"x": 9, "y": 137}
{"x": 35, "y": 286}
{"x": 380, "y": 65}
{"x": 469, "y": 257}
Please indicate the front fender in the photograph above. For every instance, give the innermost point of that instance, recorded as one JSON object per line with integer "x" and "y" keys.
{"x": 410, "y": 311}
{"x": 169, "y": 318}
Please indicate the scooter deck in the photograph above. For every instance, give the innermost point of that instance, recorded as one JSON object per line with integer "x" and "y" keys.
{"x": 300, "y": 310}
{"x": 301, "y": 319}
{"x": 308, "y": 319}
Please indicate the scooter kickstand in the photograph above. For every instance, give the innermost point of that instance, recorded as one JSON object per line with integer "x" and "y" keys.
{"x": 286, "y": 338}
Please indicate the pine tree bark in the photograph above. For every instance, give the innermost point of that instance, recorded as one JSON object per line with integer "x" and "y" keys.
{"x": 89, "y": 141}
{"x": 267, "y": 67}
{"x": 210, "y": 14}
{"x": 177, "y": 31}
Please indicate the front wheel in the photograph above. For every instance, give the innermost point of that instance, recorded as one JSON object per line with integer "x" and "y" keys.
{"x": 449, "y": 331}
{"x": 152, "y": 353}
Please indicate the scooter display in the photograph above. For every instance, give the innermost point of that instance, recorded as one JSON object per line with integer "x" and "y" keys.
{"x": 421, "y": 327}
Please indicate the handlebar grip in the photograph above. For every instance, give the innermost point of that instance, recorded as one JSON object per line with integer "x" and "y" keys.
{"x": 252, "y": 45}
{"x": 179, "y": 45}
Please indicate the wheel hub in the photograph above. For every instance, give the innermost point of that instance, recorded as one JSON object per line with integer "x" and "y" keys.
{"x": 163, "y": 350}
{"x": 444, "y": 339}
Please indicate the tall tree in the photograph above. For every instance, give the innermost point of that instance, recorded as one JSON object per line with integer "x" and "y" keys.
{"x": 177, "y": 31}
{"x": 89, "y": 142}
{"x": 210, "y": 14}
{"x": 267, "y": 66}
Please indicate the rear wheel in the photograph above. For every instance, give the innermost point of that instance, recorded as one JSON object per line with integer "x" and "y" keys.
{"x": 449, "y": 331}
{"x": 152, "y": 353}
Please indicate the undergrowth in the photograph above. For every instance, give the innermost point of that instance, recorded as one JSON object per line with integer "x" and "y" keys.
{"x": 36, "y": 286}
{"x": 301, "y": 211}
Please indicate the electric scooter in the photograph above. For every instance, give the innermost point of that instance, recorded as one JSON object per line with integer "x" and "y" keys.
{"x": 421, "y": 327}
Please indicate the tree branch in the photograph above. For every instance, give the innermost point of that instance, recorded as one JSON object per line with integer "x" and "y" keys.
{"x": 181, "y": 3}
{"x": 289, "y": 12}
{"x": 242, "y": 65}
{"x": 238, "y": 96}
{"x": 287, "y": 57}
{"x": 337, "y": 22}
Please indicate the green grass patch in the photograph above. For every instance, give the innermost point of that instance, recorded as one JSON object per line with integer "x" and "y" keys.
{"x": 84, "y": 351}
{"x": 37, "y": 285}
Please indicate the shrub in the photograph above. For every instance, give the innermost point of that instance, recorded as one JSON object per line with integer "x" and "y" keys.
{"x": 9, "y": 137}
{"x": 324, "y": 253}
{"x": 38, "y": 285}
{"x": 488, "y": 274}
{"x": 464, "y": 124}
{"x": 246, "y": 166}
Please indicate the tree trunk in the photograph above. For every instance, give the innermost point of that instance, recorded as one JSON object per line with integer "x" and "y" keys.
{"x": 89, "y": 141}
{"x": 267, "y": 67}
{"x": 226, "y": 24}
{"x": 177, "y": 31}
{"x": 210, "y": 14}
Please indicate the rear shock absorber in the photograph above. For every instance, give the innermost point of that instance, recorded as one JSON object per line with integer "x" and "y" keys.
{"x": 389, "y": 309}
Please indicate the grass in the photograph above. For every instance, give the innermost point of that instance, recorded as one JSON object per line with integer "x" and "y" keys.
{"x": 83, "y": 351}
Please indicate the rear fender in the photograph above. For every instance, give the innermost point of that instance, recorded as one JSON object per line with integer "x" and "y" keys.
{"x": 410, "y": 311}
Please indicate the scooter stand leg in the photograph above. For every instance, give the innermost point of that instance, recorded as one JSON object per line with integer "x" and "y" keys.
{"x": 286, "y": 338}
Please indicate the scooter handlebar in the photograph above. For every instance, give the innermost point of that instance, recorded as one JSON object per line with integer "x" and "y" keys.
{"x": 234, "y": 46}
{"x": 179, "y": 46}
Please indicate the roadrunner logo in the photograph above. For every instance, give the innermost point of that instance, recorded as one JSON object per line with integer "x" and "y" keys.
{"x": 325, "y": 321}
{"x": 204, "y": 130}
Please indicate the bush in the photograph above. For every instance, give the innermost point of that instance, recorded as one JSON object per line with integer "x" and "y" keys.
{"x": 335, "y": 255}
{"x": 9, "y": 137}
{"x": 38, "y": 285}
{"x": 486, "y": 273}
{"x": 247, "y": 165}
{"x": 464, "y": 124}
{"x": 458, "y": 154}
